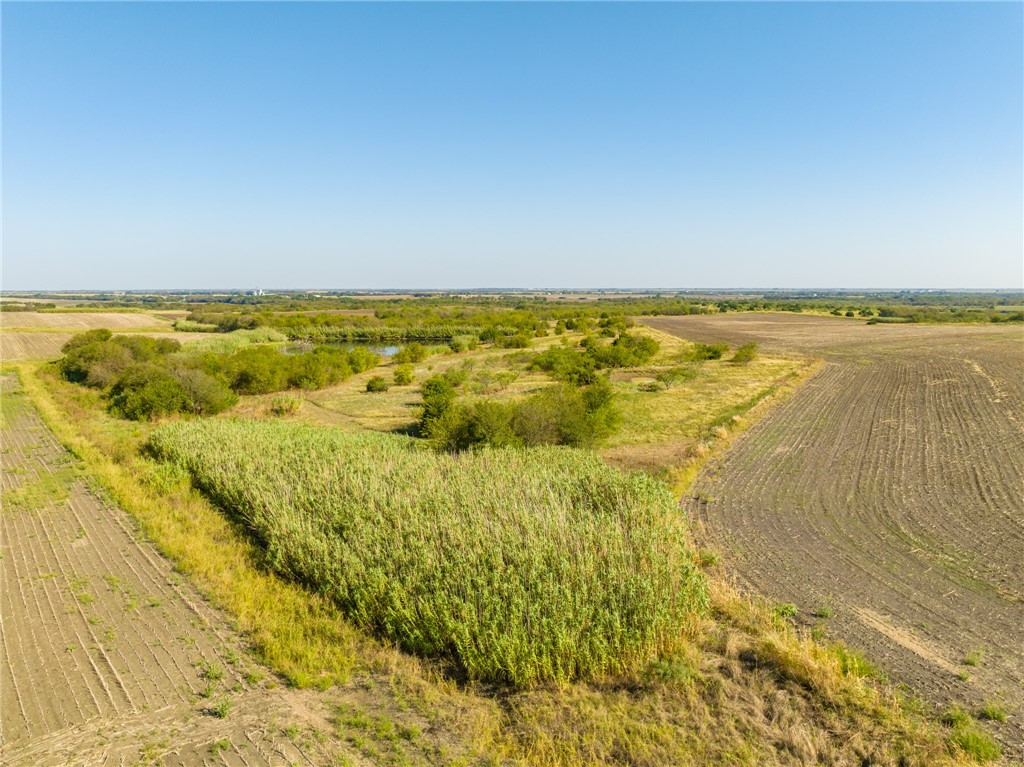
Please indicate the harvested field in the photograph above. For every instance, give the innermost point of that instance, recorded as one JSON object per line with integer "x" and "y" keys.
{"x": 886, "y": 498}
{"x": 108, "y": 657}
{"x": 76, "y": 322}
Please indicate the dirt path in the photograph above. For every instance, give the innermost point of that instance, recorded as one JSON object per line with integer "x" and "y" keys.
{"x": 106, "y": 655}
{"x": 887, "y": 496}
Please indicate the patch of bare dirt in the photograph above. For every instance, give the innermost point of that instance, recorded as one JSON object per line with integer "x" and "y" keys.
{"x": 885, "y": 498}
{"x": 108, "y": 657}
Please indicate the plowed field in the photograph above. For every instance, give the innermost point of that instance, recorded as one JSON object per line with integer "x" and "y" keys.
{"x": 885, "y": 498}
{"x": 107, "y": 656}
{"x": 76, "y": 322}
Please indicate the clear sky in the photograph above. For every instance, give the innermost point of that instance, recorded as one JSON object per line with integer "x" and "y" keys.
{"x": 344, "y": 145}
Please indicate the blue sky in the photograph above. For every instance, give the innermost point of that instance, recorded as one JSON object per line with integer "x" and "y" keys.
{"x": 334, "y": 145}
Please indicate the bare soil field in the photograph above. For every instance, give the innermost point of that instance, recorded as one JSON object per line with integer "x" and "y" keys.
{"x": 885, "y": 498}
{"x": 76, "y": 322}
{"x": 108, "y": 657}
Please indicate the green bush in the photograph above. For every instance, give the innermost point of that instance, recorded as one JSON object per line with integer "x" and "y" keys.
{"x": 412, "y": 352}
{"x": 360, "y": 358}
{"x": 95, "y": 363}
{"x": 580, "y": 367}
{"x": 96, "y": 358}
{"x": 403, "y": 375}
{"x": 566, "y": 365}
{"x": 145, "y": 391}
{"x": 676, "y": 375}
{"x": 88, "y": 337}
{"x": 206, "y": 395}
{"x": 438, "y": 397}
{"x": 264, "y": 369}
{"x": 281, "y": 406}
{"x": 745, "y": 353}
{"x": 519, "y": 565}
{"x": 145, "y": 349}
{"x": 463, "y": 343}
{"x": 517, "y": 341}
{"x": 558, "y": 415}
{"x": 701, "y": 352}
{"x": 147, "y": 377}
{"x": 624, "y": 352}
{"x": 377, "y": 384}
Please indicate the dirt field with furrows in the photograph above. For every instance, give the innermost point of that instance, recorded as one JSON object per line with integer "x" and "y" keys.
{"x": 885, "y": 498}
{"x": 76, "y": 322}
{"x": 108, "y": 657}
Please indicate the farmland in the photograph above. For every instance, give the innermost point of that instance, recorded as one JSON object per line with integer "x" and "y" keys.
{"x": 321, "y": 554}
{"x": 108, "y": 654}
{"x": 884, "y": 498}
{"x": 40, "y": 335}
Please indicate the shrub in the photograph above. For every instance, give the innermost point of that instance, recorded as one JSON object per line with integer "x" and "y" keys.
{"x": 580, "y": 368}
{"x": 377, "y": 384}
{"x": 145, "y": 349}
{"x": 479, "y": 423}
{"x": 96, "y": 364}
{"x": 701, "y": 352}
{"x": 519, "y": 565}
{"x": 413, "y": 352}
{"x": 463, "y": 343}
{"x": 566, "y": 365}
{"x": 745, "y": 353}
{"x": 559, "y": 415}
{"x": 109, "y": 360}
{"x": 403, "y": 375}
{"x": 282, "y": 406}
{"x": 517, "y": 341}
{"x": 147, "y": 377}
{"x": 256, "y": 370}
{"x": 438, "y": 396}
{"x": 88, "y": 337}
{"x": 675, "y": 375}
{"x": 360, "y": 358}
{"x": 206, "y": 395}
{"x": 263, "y": 369}
{"x": 625, "y": 351}
{"x": 97, "y": 359}
{"x": 145, "y": 391}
